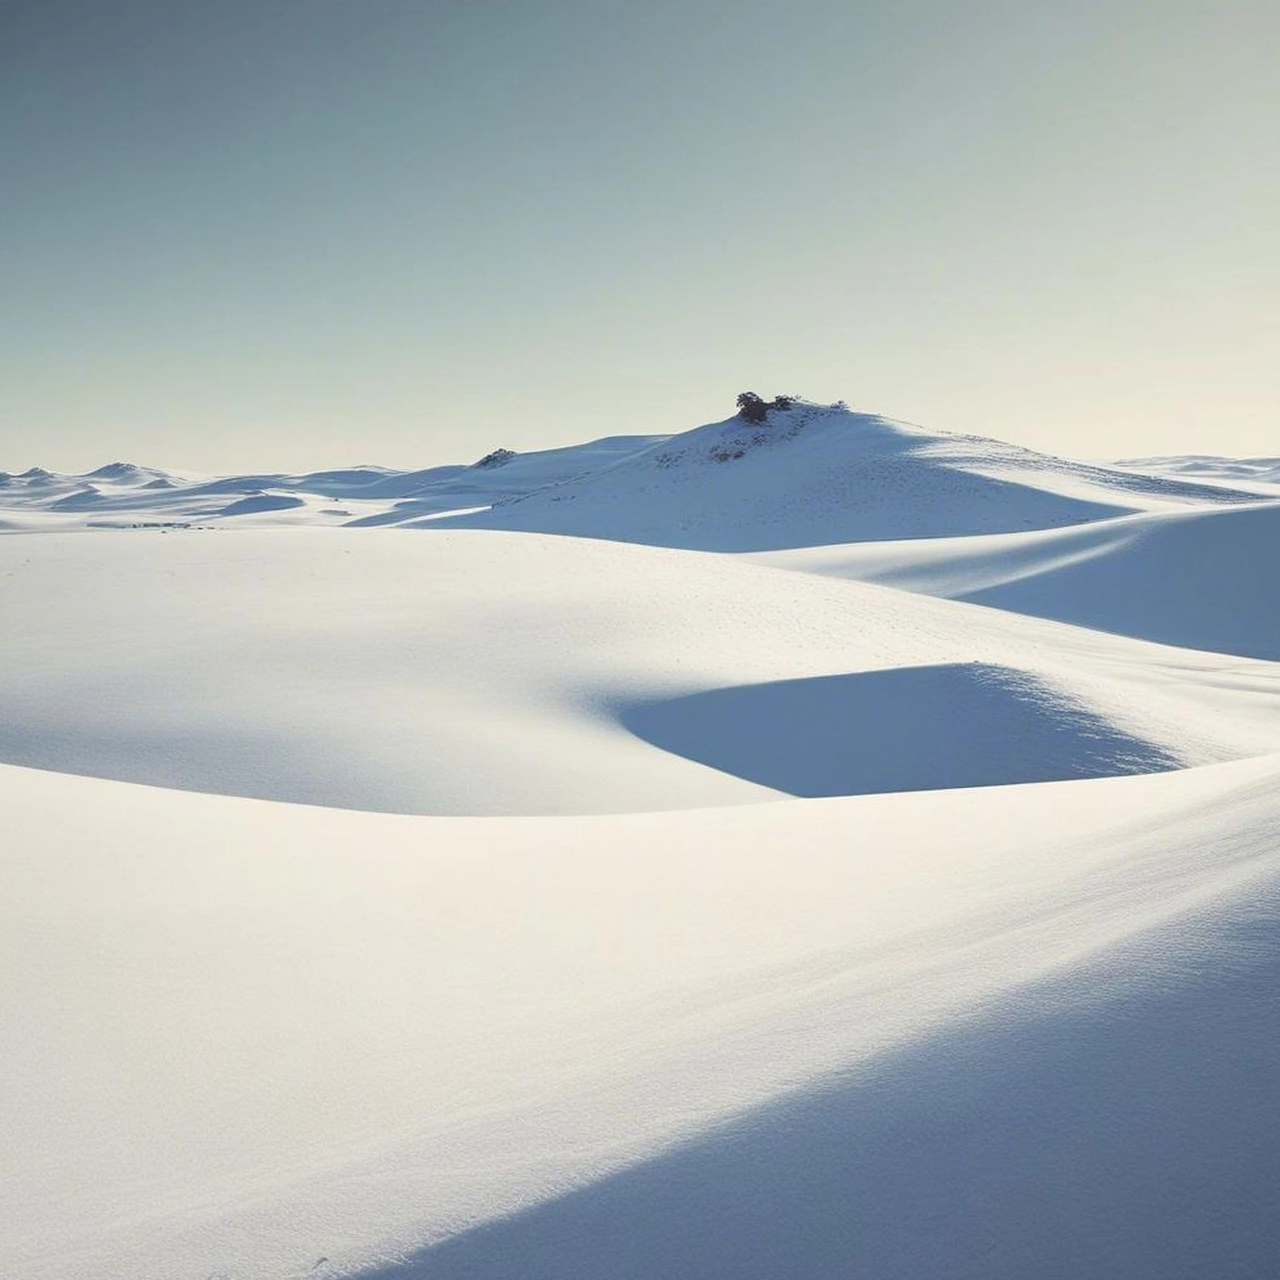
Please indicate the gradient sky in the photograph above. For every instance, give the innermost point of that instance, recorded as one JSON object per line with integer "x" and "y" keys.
{"x": 301, "y": 233}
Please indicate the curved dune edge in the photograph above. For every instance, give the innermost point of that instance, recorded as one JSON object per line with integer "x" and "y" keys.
{"x": 1198, "y": 579}
{"x": 967, "y": 724}
{"x": 314, "y": 1033}
{"x": 486, "y": 673}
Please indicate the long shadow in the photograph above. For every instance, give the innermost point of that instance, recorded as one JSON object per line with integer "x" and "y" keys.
{"x": 1205, "y": 583}
{"x": 906, "y": 729}
{"x": 1134, "y": 1138}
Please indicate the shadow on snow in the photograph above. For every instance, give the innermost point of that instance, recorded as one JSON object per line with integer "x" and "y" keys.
{"x": 1089, "y": 1127}
{"x": 905, "y": 729}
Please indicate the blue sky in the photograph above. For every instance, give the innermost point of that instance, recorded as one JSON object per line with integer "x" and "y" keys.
{"x": 301, "y": 233}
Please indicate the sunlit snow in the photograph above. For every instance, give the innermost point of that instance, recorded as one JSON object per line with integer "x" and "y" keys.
{"x": 811, "y": 848}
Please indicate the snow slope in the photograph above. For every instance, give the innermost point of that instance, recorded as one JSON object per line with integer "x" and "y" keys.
{"x": 244, "y": 1037}
{"x": 815, "y": 474}
{"x": 477, "y": 672}
{"x": 650, "y": 911}
{"x": 1203, "y": 578}
{"x": 810, "y": 475}
{"x": 122, "y": 495}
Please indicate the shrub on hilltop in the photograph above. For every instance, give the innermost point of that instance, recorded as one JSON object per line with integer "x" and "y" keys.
{"x": 498, "y": 458}
{"x": 754, "y": 408}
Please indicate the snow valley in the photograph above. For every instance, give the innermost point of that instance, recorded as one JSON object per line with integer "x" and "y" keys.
{"x": 799, "y": 847}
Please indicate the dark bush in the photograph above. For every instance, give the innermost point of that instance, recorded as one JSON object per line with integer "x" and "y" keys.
{"x": 756, "y": 409}
{"x": 497, "y": 458}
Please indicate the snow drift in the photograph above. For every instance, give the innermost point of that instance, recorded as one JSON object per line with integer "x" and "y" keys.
{"x": 1202, "y": 578}
{"x": 475, "y": 672}
{"x": 243, "y": 1037}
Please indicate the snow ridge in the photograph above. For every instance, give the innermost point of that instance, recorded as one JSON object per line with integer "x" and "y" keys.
{"x": 808, "y": 475}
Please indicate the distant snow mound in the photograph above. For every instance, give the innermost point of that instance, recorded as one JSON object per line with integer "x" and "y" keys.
{"x": 778, "y": 475}
{"x": 126, "y": 473}
{"x": 83, "y": 499}
{"x": 1250, "y": 473}
{"x": 257, "y": 503}
{"x": 815, "y": 474}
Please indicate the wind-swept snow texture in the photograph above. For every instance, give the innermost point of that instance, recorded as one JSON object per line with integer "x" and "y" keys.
{"x": 649, "y": 911}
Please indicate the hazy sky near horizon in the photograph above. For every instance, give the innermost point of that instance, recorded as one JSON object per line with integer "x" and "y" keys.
{"x": 301, "y": 233}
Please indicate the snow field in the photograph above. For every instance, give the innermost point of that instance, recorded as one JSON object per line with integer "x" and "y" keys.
{"x": 898, "y": 899}
{"x": 476, "y": 672}
{"x": 247, "y": 1035}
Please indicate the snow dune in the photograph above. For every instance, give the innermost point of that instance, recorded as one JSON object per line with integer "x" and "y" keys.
{"x": 122, "y": 495}
{"x": 246, "y": 1036}
{"x": 475, "y": 672}
{"x": 1201, "y": 578}
{"x": 1034, "y": 1138}
{"x": 814, "y": 737}
{"x": 897, "y": 897}
{"x": 1250, "y": 474}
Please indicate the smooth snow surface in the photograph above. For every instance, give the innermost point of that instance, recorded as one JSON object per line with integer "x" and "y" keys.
{"x": 650, "y": 911}
{"x": 485, "y": 673}
{"x": 1260, "y": 474}
{"x": 1204, "y": 579}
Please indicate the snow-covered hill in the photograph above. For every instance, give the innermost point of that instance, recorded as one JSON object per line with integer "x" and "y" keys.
{"x": 809, "y": 475}
{"x": 814, "y": 474}
{"x": 651, "y": 910}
